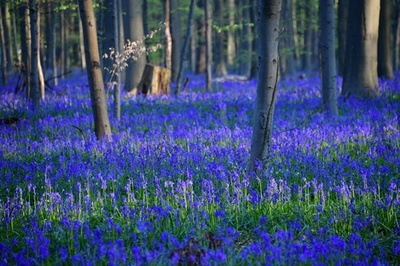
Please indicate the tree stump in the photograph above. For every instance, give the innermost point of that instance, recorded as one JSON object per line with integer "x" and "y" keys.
{"x": 155, "y": 80}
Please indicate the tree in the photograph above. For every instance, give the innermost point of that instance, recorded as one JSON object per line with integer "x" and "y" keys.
{"x": 176, "y": 35}
{"x": 51, "y": 65}
{"x": 3, "y": 51}
{"x": 246, "y": 42}
{"x": 343, "y": 7}
{"x": 98, "y": 97}
{"x": 168, "y": 37}
{"x": 328, "y": 58}
{"x": 385, "y": 68}
{"x": 287, "y": 45}
{"x": 220, "y": 68}
{"x": 135, "y": 32}
{"x": 268, "y": 71}
{"x": 209, "y": 53}
{"x": 361, "y": 75}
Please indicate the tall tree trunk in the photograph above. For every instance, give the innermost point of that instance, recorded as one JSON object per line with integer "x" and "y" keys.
{"x": 361, "y": 74}
{"x": 231, "y": 51}
{"x": 343, "y": 8}
{"x": 81, "y": 44}
{"x": 99, "y": 105}
{"x": 63, "y": 46}
{"x": 396, "y": 34}
{"x": 219, "y": 40}
{"x": 38, "y": 54}
{"x": 268, "y": 71}
{"x": 117, "y": 88}
{"x": 109, "y": 37}
{"x": 308, "y": 38}
{"x": 7, "y": 36}
{"x": 3, "y": 51}
{"x": 26, "y": 47}
{"x": 135, "y": 31}
{"x": 328, "y": 58}
{"x": 201, "y": 60}
{"x": 246, "y": 41}
{"x": 35, "y": 87}
{"x": 193, "y": 47}
{"x": 185, "y": 46}
{"x": 168, "y": 38}
{"x": 176, "y": 33}
{"x": 209, "y": 54}
{"x": 51, "y": 64}
{"x": 286, "y": 45}
{"x": 385, "y": 68}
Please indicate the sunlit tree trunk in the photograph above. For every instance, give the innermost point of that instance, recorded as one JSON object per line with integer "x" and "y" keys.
{"x": 385, "y": 68}
{"x": 25, "y": 27}
{"x": 10, "y": 49}
{"x": 231, "y": 38}
{"x": 328, "y": 58}
{"x": 168, "y": 38}
{"x": 268, "y": 71}
{"x": 101, "y": 120}
{"x": 360, "y": 73}
{"x": 209, "y": 43}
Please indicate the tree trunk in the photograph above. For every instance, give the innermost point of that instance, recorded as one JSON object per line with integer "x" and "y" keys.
{"x": 184, "y": 47}
{"x": 201, "y": 60}
{"x": 117, "y": 88}
{"x": 209, "y": 54}
{"x": 219, "y": 40}
{"x": 27, "y": 48}
{"x": 176, "y": 33}
{"x": 308, "y": 38}
{"x": 7, "y": 37}
{"x": 328, "y": 58}
{"x": 231, "y": 51}
{"x": 3, "y": 51}
{"x": 168, "y": 38}
{"x": 396, "y": 34}
{"x": 268, "y": 71}
{"x": 99, "y": 105}
{"x": 51, "y": 64}
{"x": 193, "y": 47}
{"x": 343, "y": 8}
{"x": 135, "y": 31}
{"x": 385, "y": 68}
{"x": 109, "y": 40}
{"x": 35, "y": 88}
{"x": 38, "y": 54}
{"x": 361, "y": 75}
{"x": 286, "y": 45}
{"x": 246, "y": 41}
{"x": 155, "y": 80}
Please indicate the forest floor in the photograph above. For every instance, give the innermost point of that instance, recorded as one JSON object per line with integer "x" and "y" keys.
{"x": 171, "y": 187}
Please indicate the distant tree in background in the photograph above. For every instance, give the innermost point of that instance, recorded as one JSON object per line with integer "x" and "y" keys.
{"x": 360, "y": 72}
{"x": 209, "y": 49}
{"x": 327, "y": 57}
{"x": 3, "y": 51}
{"x": 134, "y": 32}
{"x": 343, "y": 8}
{"x": 102, "y": 126}
{"x": 385, "y": 63}
{"x": 176, "y": 34}
{"x": 268, "y": 71}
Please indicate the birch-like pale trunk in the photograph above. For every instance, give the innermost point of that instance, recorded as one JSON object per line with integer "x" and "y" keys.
{"x": 269, "y": 12}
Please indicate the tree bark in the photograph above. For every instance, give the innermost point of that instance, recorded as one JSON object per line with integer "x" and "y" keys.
{"x": 268, "y": 71}
{"x": 135, "y": 32}
{"x": 231, "y": 51}
{"x": 3, "y": 52}
{"x": 246, "y": 41}
{"x": 286, "y": 45}
{"x": 219, "y": 40}
{"x": 396, "y": 34}
{"x": 117, "y": 88}
{"x": 35, "y": 88}
{"x": 101, "y": 120}
{"x": 385, "y": 68}
{"x": 51, "y": 64}
{"x": 168, "y": 38}
{"x": 343, "y": 7}
{"x": 209, "y": 53}
{"x": 7, "y": 36}
{"x": 189, "y": 35}
{"x": 361, "y": 74}
{"x": 328, "y": 58}
{"x": 176, "y": 33}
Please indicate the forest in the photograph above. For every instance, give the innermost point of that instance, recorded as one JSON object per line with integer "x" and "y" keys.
{"x": 199, "y": 132}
